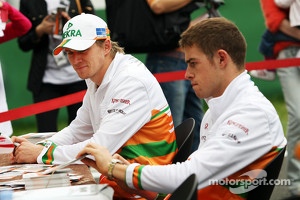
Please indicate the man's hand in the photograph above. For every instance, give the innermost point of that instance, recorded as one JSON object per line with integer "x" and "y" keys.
{"x": 26, "y": 152}
{"x": 101, "y": 155}
{"x": 46, "y": 26}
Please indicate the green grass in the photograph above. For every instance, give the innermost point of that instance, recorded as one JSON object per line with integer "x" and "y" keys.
{"x": 281, "y": 110}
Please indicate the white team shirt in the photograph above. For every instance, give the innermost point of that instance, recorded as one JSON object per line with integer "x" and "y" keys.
{"x": 239, "y": 127}
{"x": 111, "y": 113}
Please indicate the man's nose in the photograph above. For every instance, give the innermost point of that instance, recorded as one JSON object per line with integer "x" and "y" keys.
{"x": 77, "y": 58}
{"x": 187, "y": 75}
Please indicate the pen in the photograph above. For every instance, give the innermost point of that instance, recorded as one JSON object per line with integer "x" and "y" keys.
{"x": 16, "y": 144}
{"x": 53, "y": 169}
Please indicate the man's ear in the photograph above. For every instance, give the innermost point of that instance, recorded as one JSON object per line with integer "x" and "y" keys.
{"x": 222, "y": 57}
{"x": 107, "y": 46}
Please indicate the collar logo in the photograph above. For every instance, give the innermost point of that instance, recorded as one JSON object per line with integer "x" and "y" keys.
{"x": 71, "y": 32}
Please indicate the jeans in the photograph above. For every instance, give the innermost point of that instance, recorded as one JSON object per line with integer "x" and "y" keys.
{"x": 180, "y": 95}
{"x": 290, "y": 82}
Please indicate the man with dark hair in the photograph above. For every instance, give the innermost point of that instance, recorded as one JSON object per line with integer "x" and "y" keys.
{"x": 240, "y": 132}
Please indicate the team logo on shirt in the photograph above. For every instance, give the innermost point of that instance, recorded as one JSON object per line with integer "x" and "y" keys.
{"x": 203, "y": 138}
{"x": 125, "y": 101}
{"x": 231, "y": 122}
{"x": 116, "y": 111}
{"x": 232, "y": 136}
{"x": 206, "y": 126}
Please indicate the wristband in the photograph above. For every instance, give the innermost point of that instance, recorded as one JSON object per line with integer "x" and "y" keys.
{"x": 111, "y": 167}
{"x": 47, "y": 144}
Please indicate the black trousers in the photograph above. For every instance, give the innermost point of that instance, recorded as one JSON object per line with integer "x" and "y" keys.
{"x": 47, "y": 121}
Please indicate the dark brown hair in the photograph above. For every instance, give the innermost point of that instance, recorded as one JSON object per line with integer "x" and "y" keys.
{"x": 217, "y": 33}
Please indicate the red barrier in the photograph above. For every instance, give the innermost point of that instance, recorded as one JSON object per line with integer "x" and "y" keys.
{"x": 267, "y": 64}
{"x": 273, "y": 64}
{"x": 56, "y": 103}
{"x": 43, "y": 106}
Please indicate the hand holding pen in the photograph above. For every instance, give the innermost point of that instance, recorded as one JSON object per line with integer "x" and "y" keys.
{"x": 25, "y": 151}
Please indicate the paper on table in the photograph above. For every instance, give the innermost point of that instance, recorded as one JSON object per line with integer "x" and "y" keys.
{"x": 6, "y": 145}
{"x": 37, "y": 181}
{"x": 38, "y": 135}
{"x": 12, "y": 171}
{"x": 77, "y": 192}
{"x": 53, "y": 169}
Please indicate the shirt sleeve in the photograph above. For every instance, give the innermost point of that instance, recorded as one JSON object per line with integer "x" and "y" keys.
{"x": 273, "y": 14}
{"x": 284, "y": 3}
{"x": 228, "y": 149}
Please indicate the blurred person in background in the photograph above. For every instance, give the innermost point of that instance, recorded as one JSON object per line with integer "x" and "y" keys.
{"x": 51, "y": 77}
{"x": 180, "y": 95}
{"x": 270, "y": 38}
{"x": 12, "y": 22}
{"x": 277, "y": 21}
{"x": 12, "y": 25}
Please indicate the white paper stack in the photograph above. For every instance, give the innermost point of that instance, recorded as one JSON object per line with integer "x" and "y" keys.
{"x": 77, "y": 192}
{"x": 37, "y": 180}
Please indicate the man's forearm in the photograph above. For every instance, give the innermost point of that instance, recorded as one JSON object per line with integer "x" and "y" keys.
{"x": 165, "y": 6}
{"x": 286, "y": 28}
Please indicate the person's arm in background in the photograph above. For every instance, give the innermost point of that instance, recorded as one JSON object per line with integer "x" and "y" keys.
{"x": 165, "y": 6}
{"x": 285, "y": 25}
{"x": 286, "y": 28}
{"x": 276, "y": 19}
{"x": 17, "y": 25}
{"x": 41, "y": 26}
{"x": 88, "y": 7}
